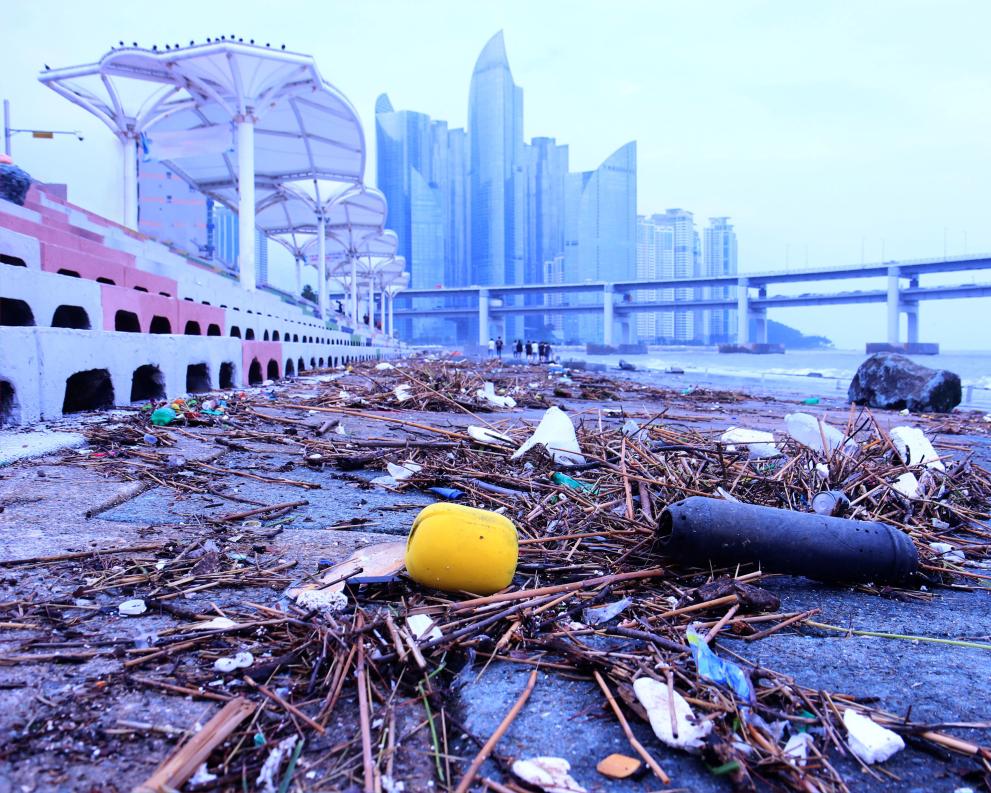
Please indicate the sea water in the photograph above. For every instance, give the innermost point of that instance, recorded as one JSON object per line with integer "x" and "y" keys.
{"x": 802, "y": 373}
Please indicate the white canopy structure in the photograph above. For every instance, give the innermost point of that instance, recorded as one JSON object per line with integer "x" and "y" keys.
{"x": 392, "y": 284}
{"x": 199, "y": 109}
{"x": 311, "y": 214}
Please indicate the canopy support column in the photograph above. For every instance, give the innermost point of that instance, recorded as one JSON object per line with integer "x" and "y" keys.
{"x": 322, "y": 265}
{"x": 392, "y": 300}
{"x": 299, "y": 277}
{"x": 246, "y": 200}
{"x": 129, "y": 161}
{"x": 382, "y": 309}
{"x": 354, "y": 288}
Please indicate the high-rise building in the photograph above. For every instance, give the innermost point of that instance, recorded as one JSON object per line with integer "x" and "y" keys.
{"x": 600, "y": 232}
{"x": 496, "y": 173}
{"x": 720, "y": 259}
{"x": 546, "y": 172}
{"x": 415, "y": 175}
{"x": 677, "y": 257}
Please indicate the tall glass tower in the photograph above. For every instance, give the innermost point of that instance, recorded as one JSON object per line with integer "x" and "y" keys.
{"x": 413, "y": 174}
{"x": 600, "y": 231}
{"x": 496, "y": 173}
{"x": 720, "y": 259}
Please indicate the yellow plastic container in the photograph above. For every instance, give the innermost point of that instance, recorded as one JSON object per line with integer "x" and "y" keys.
{"x": 456, "y": 548}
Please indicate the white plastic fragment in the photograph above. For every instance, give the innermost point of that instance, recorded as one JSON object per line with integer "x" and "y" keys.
{"x": 326, "y": 601}
{"x": 631, "y": 429}
{"x": 390, "y": 785}
{"x": 132, "y": 608}
{"x": 760, "y": 444}
{"x": 550, "y": 774}
{"x": 201, "y": 777}
{"x": 423, "y": 627}
{"x": 385, "y": 365}
{"x": 804, "y": 428}
{"x": 403, "y": 471}
{"x": 656, "y": 700}
{"x": 907, "y": 485}
{"x": 270, "y": 768}
{"x": 489, "y": 395}
{"x": 402, "y": 393}
{"x": 915, "y": 448}
{"x": 229, "y": 664}
{"x": 485, "y": 435}
{"x": 947, "y": 552}
{"x": 871, "y": 742}
{"x": 556, "y": 432}
{"x": 797, "y": 748}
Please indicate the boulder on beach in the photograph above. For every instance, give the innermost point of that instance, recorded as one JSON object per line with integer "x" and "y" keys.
{"x": 895, "y": 382}
{"x": 14, "y": 183}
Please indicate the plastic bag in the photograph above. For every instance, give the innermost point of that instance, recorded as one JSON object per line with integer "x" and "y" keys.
{"x": 914, "y": 448}
{"x": 714, "y": 668}
{"x": 657, "y": 700}
{"x": 557, "y": 434}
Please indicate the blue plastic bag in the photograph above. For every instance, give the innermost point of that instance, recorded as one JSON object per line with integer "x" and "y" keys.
{"x": 718, "y": 670}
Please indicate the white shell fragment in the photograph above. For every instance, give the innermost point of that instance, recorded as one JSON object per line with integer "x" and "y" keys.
{"x": 423, "y": 627}
{"x": 871, "y": 742}
{"x": 132, "y": 608}
{"x": 239, "y": 661}
{"x": 760, "y": 444}
{"x": 326, "y": 601}
{"x": 914, "y": 448}
{"x": 557, "y": 434}
{"x": 489, "y": 395}
{"x": 216, "y": 624}
{"x": 656, "y": 700}
{"x": 550, "y": 774}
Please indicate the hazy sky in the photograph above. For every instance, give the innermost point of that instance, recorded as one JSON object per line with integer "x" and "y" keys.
{"x": 827, "y": 131}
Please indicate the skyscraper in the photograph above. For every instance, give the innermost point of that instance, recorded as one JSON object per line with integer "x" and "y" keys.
{"x": 677, "y": 258}
{"x": 496, "y": 173}
{"x": 415, "y": 177}
{"x": 171, "y": 210}
{"x": 546, "y": 174}
{"x": 600, "y": 231}
{"x": 720, "y": 259}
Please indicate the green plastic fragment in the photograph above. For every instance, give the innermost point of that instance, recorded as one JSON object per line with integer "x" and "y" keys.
{"x": 163, "y": 416}
{"x": 566, "y": 481}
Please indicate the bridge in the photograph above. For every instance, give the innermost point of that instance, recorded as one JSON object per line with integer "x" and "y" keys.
{"x": 897, "y": 296}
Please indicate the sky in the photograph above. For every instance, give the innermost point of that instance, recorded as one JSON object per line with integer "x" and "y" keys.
{"x": 830, "y": 132}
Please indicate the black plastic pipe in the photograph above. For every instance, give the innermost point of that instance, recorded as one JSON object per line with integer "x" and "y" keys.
{"x": 701, "y": 530}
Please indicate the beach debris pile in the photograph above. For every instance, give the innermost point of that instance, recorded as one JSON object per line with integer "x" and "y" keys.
{"x": 349, "y": 676}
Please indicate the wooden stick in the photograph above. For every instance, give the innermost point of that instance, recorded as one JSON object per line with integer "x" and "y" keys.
{"x": 653, "y": 572}
{"x": 504, "y": 725}
{"x": 363, "y": 715}
{"x": 182, "y": 764}
{"x": 79, "y": 554}
{"x": 285, "y": 705}
{"x": 637, "y": 746}
{"x": 261, "y": 510}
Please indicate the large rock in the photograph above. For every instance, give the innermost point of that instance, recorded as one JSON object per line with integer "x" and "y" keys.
{"x": 14, "y": 183}
{"x": 892, "y": 381}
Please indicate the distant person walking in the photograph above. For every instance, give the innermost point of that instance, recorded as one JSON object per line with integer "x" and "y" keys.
{"x": 518, "y": 349}
{"x": 547, "y": 351}
{"x": 529, "y": 351}
{"x": 499, "y": 346}
{"x": 491, "y": 347}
